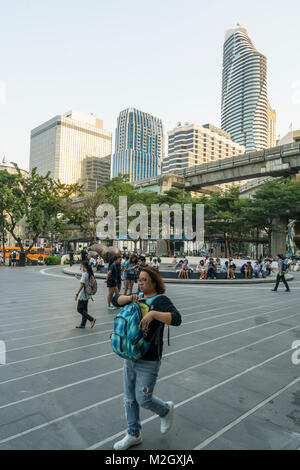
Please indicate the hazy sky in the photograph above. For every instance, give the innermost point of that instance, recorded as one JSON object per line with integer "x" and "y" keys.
{"x": 161, "y": 56}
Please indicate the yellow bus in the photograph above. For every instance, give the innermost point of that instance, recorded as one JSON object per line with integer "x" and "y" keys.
{"x": 35, "y": 252}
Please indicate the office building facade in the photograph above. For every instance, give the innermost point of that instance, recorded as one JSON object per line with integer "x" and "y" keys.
{"x": 61, "y": 144}
{"x": 244, "y": 91}
{"x": 139, "y": 145}
{"x": 95, "y": 172}
{"x": 193, "y": 144}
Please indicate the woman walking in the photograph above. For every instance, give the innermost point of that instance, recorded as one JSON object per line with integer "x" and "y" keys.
{"x": 113, "y": 278}
{"x": 82, "y": 297}
{"x": 129, "y": 269}
{"x": 140, "y": 376}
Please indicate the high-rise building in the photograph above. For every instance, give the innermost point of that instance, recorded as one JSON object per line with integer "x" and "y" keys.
{"x": 271, "y": 126}
{"x": 244, "y": 91}
{"x": 139, "y": 145}
{"x": 193, "y": 144}
{"x": 61, "y": 144}
{"x": 95, "y": 172}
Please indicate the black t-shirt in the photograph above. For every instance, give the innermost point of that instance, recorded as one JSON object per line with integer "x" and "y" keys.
{"x": 161, "y": 304}
{"x": 84, "y": 255}
{"x": 115, "y": 274}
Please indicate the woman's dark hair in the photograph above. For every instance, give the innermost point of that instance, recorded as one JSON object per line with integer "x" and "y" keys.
{"x": 156, "y": 278}
{"x": 133, "y": 259}
{"x": 88, "y": 267}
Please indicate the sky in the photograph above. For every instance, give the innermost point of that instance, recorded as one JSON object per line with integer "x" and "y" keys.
{"x": 163, "y": 57}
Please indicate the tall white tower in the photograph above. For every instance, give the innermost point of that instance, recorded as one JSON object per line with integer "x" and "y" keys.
{"x": 244, "y": 91}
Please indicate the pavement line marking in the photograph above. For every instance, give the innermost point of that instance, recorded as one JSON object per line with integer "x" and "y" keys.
{"x": 108, "y": 331}
{"x": 63, "y": 387}
{"x": 56, "y": 353}
{"x": 245, "y": 415}
{"x": 63, "y": 319}
{"x": 72, "y": 317}
{"x": 198, "y": 395}
{"x": 67, "y": 319}
{"x": 172, "y": 375}
{"x": 228, "y": 335}
{"x": 111, "y": 323}
{"x": 74, "y": 413}
{"x": 99, "y": 357}
{"x": 66, "y": 276}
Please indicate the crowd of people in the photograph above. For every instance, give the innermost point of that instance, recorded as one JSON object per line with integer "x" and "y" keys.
{"x": 208, "y": 268}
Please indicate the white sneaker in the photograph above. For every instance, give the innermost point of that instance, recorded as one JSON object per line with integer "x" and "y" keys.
{"x": 127, "y": 442}
{"x": 167, "y": 422}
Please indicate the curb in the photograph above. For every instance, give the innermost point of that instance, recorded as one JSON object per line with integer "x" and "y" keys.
{"x": 289, "y": 277}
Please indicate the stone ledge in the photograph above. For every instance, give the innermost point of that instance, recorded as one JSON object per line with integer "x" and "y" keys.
{"x": 289, "y": 277}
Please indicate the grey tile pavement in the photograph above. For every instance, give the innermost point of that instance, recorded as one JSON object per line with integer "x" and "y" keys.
{"x": 62, "y": 387}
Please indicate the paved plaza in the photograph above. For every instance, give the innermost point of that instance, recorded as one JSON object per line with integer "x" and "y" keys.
{"x": 228, "y": 368}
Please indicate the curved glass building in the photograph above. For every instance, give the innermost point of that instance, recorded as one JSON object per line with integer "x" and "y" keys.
{"x": 244, "y": 91}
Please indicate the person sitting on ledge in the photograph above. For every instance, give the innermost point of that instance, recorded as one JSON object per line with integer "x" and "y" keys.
{"x": 224, "y": 267}
{"x": 248, "y": 270}
{"x": 178, "y": 269}
{"x": 211, "y": 271}
{"x": 186, "y": 270}
{"x": 201, "y": 270}
{"x": 243, "y": 269}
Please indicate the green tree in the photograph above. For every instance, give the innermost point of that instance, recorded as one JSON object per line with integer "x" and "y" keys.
{"x": 6, "y": 184}
{"x": 280, "y": 197}
{"x": 41, "y": 200}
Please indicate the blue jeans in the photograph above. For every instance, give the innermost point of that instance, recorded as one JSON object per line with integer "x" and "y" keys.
{"x": 139, "y": 382}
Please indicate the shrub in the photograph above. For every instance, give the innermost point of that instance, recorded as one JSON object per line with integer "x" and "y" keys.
{"x": 50, "y": 260}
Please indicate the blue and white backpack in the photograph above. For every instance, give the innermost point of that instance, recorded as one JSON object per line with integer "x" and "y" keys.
{"x": 127, "y": 339}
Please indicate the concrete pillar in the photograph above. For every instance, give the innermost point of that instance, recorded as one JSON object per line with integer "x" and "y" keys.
{"x": 279, "y": 235}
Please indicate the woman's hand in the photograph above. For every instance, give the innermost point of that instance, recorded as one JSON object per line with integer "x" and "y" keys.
{"x": 147, "y": 319}
{"x": 134, "y": 298}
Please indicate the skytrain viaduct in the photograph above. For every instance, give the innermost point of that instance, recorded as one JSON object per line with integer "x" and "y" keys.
{"x": 275, "y": 162}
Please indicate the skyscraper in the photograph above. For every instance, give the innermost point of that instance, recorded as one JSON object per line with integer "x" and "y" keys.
{"x": 193, "y": 144}
{"x": 61, "y": 144}
{"x": 244, "y": 91}
{"x": 139, "y": 145}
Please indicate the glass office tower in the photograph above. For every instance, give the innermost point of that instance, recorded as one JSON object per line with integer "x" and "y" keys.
{"x": 139, "y": 145}
{"x": 62, "y": 144}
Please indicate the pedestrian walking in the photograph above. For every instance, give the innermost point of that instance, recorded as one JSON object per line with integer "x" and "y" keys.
{"x": 14, "y": 259}
{"x": 113, "y": 278}
{"x": 129, "y": 269}
{"x": 140, "y": 375}
{"x": 82, "y": 297}
{"x": 71, "y": 256}
{"x": 84, "y": 253}
{"x": 282, "y": 267}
